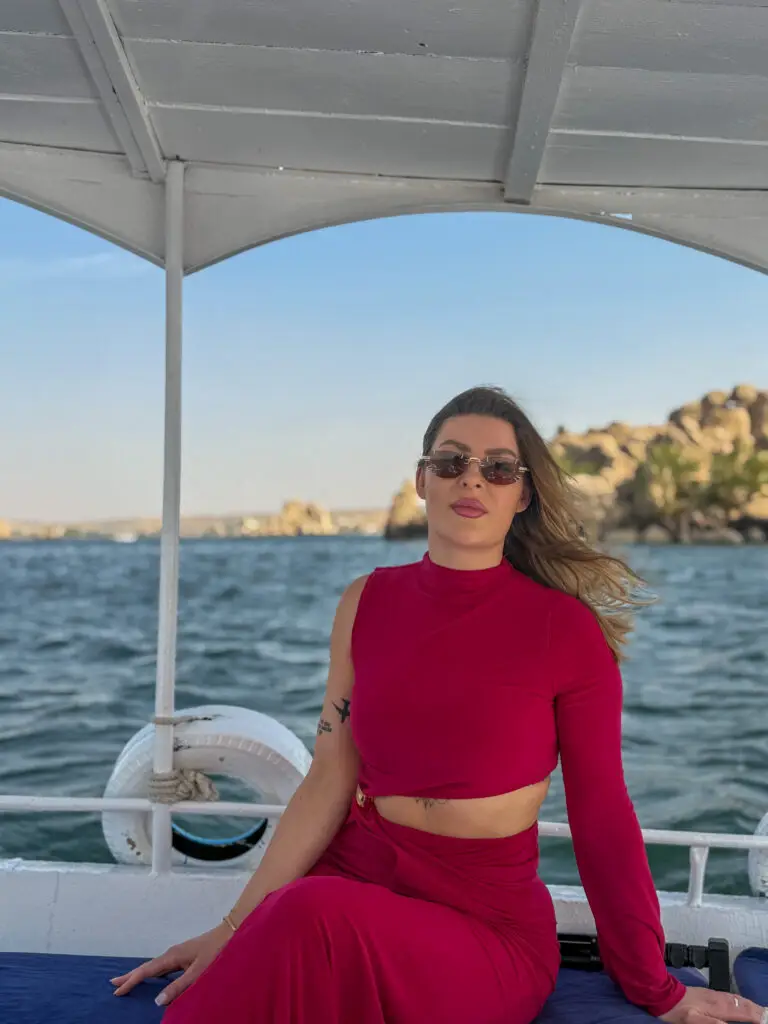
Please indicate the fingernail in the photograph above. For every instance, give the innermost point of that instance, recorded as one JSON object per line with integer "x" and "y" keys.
{"x": 161, "y": 1000}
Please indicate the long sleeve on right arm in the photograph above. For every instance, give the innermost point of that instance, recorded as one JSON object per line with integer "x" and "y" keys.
{"x": 608, "y": 844}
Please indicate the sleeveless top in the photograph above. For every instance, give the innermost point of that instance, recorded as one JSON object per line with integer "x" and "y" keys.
{"x": 472, "y": 683}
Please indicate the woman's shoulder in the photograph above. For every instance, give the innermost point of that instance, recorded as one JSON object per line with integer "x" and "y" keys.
{"x": 575, "y": 631}
{"x": 380, "y": 574}
{"x": 569, "y": 613}
{"x": 567, "y": 606}
{"x": 392, "y": 572}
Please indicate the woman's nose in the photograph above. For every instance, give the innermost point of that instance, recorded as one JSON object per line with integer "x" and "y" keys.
{"x": 472, "y": 477}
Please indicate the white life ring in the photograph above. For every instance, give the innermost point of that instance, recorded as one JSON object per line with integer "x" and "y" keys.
{"x": 757, "y": 863}
{"x": 220, "y": 740}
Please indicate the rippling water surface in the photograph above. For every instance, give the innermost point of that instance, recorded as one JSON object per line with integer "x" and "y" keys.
{"x": 78, "y": 636}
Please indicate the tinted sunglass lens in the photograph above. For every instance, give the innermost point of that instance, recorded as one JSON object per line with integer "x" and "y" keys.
{"x": 501, "y": 471}
{"x": 448, "y": 465}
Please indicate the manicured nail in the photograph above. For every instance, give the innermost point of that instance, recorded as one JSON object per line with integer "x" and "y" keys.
{"x": 161, "y": 1000}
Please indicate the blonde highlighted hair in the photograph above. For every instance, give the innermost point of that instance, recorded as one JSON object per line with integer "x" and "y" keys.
{"x": 547, "y": 541}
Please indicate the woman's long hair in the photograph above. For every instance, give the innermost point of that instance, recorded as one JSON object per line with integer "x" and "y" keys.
{"x": 547, "y": 541}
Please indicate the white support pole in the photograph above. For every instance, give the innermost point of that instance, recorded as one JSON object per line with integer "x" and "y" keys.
{"x": 169, "y": 539}
{"x": 698, "y": 858}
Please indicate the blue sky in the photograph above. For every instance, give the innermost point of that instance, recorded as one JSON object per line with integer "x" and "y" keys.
{"x": 313, "y": 365}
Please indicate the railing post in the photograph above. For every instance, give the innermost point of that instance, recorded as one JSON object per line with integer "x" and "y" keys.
{"x": 698, "y": 857}
{"x": 169, "y": 538}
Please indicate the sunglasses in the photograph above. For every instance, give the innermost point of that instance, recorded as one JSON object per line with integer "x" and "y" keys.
{"x": 494, "y": 469}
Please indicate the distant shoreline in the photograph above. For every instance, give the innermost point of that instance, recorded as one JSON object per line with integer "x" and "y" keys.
{"x": 296, "y": 518}
{"x": 612, "y": 542}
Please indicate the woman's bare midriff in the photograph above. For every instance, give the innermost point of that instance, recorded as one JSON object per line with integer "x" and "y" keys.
{"x": 491, "y": 817}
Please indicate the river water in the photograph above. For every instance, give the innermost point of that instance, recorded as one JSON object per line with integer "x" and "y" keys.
{"x": 78, "y": 635}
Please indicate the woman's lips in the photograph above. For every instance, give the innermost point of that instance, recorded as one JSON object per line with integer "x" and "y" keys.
{"x": 469, "y": 509}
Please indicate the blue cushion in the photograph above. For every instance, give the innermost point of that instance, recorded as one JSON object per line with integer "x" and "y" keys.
{"x": 750, "y": 969}
{"x": 587, "y": 997}
{"x": 56, "y": 989}
{"x": 43, "y": 988}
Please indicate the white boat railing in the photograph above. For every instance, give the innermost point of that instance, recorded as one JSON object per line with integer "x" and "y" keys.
{"x": 699, "y": 843}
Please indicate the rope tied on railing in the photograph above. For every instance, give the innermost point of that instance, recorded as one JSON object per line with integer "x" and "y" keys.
{"x": 181, "y": 783}
{"x": 175, "y": 719}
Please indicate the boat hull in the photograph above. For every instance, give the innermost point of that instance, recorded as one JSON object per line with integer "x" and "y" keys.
{"x": 117, "y": 910}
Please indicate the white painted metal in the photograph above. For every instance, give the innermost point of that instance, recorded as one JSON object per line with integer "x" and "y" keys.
{"x": 273, "y": 81}
{"x": 94, "y": 61}
{"x": 757, "y": 862}
{"x": 67, "y": 908}
{"x": 484, "y": 29}
{"x": 698, "y": 869}
{"x": 110, "y": 49}
{"x": 656, "y": 35}
{"x": 552, "y": 829}
{"x": 57, "y": 121}
{"x": 29, "y": 61}
{"x": 169, "y": 539}
{"x": 102, "y": 52}
{"x": 43, "y": 16}
{"x": 726, "y": 3}
{"x": 670, "y": 837}
{"x": 554, "y": 24}
{"x": 594, "y": 101}
{"x": 378, "y": 109}
{"x": 89, "y": 189}
{"x": 100, "y": 804}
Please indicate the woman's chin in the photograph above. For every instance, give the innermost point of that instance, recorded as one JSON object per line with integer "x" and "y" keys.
{"x": 469, "y": 533}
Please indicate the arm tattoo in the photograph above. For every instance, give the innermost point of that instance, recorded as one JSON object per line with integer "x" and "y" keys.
{"x": 343, "y": 710}
{"x": 324, "y": 726}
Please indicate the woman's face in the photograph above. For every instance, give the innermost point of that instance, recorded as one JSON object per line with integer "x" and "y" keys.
{"x": 467, "y": 510}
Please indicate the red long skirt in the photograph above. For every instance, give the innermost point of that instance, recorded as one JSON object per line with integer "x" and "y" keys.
{"x": 392, "y": 926}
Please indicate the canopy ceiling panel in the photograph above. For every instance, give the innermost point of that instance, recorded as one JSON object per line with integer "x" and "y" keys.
{"x": 43, "y": 16}
{"x": 484, "y": 29}
{"x": 295, "y": 114}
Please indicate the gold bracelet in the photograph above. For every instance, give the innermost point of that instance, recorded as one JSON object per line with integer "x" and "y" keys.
{"x": 228, "y": 920}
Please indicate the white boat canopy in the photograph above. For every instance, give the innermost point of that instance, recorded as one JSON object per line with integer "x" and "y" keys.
{"x": 291, "y": 115}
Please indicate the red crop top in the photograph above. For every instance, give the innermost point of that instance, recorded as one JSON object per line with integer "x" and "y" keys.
{"x": 470, "y": 684}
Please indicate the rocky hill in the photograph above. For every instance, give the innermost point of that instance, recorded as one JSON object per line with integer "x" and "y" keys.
{"x": 702, "y": 475}
{"x": 406, "y": 517}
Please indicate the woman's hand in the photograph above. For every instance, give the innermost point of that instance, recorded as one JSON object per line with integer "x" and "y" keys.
{"x": 705, "y": 1006}
{"x": 191, "y": 957}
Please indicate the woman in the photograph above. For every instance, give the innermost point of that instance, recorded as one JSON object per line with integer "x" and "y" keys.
{"x": 401, "y": 885}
